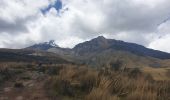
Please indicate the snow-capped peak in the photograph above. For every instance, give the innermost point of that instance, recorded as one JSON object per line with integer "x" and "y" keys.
{"x": 51, "y": 43}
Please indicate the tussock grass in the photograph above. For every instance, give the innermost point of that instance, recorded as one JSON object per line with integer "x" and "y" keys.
{"x": 90, "y": 84}
{"x": 73, "y": 82}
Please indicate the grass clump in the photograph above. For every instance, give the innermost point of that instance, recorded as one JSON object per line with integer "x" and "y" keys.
{"x": 83, "y": 83}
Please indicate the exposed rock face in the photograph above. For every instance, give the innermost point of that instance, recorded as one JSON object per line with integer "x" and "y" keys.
{"x": 44, "y": 46}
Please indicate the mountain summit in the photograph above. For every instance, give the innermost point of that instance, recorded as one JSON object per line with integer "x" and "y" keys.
{"x": 44, "y": 45}
{"x": 95, "y": 45}
{"x": 51, "y": 43}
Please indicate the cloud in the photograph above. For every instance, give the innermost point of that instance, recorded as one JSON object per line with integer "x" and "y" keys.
{"x": 72, "y": 21}
{"x": 15, "y": 14}
{"x": 12, "y": 27}
{"x": 161, "y": 43}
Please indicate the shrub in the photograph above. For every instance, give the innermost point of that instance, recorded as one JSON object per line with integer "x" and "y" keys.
{"x": 116, "y": 65}
{"x": 54, "y": 70}
{"x": 18, "y": 85}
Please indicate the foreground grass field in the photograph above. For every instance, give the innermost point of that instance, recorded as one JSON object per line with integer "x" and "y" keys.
{"x": 23, "y": 81}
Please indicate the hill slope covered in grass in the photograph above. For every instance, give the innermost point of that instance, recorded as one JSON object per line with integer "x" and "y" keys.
{"x": 22, "y": 55}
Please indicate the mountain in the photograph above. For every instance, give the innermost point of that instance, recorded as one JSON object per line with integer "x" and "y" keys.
{"x": 93, "y": 46}
{"x": 101, "y": 44}
{"x": 44, "y": 46}
{"x": 101, "y": 51}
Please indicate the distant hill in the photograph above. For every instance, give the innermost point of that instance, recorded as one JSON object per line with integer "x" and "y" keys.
{"x": 24, "y": 55}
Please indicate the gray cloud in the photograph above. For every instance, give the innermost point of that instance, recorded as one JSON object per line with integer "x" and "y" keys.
{"x": 12, "y": 28}
{"x": 121, "y": 16}
{"x": 139, "y": 21}
{"x": 139, "y": 18}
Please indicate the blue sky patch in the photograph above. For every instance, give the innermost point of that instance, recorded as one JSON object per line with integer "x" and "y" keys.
{"x": 57, "y": 5}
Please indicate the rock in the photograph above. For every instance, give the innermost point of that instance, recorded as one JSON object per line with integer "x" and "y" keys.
{"x": 31, "y": 85}
{"x": 7, "y": 89}
{"x": 19, "y": 98}
{"x": 18, "y": 85}
{"x": 3, "y": 98}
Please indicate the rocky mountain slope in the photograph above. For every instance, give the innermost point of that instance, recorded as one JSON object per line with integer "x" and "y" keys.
{"x": 102, "y": 51}
{"x": 100, "y": 44}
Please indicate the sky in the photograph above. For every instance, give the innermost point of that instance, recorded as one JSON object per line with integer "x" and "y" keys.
{"x": 69, "y": 22}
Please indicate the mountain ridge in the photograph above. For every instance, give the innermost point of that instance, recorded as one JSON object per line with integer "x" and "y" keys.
{"x": 99, "y": 44}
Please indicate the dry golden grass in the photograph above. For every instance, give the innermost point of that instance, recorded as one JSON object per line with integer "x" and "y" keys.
{"x": 73, "y": 82}
{"x": 157, "y": 73}
{"x": 90, "y": 84}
